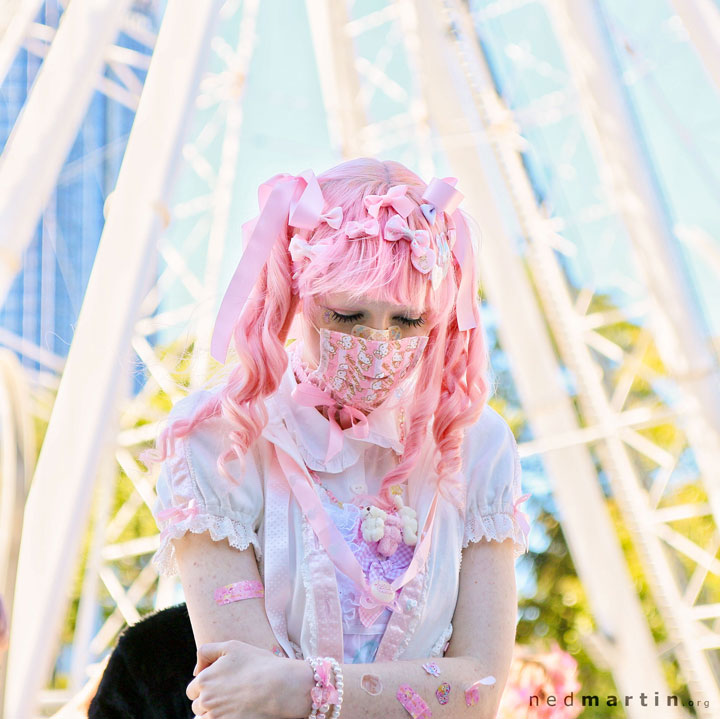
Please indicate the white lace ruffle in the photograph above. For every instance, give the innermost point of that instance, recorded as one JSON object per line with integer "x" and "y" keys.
{"x": 240, "y": 534}
{"x": 498, "y": 526}
{"x": 437, "y": 650}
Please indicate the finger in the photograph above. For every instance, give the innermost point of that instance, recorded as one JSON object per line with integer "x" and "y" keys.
{"x": 208, "y": 653}
{"x": 198, "y": 708}
{"x": 193, "y": 690}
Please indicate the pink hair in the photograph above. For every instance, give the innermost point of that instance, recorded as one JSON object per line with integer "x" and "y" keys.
{"x": 451, "y": 385}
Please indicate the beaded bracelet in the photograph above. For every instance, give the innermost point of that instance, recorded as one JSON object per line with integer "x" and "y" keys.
{"x": 322, "y": 682}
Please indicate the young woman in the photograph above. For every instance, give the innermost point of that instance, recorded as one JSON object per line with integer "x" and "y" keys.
{"x": 353, "y": 447}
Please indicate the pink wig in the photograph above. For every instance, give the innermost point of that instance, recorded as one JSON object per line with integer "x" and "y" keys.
{"x": 451, "y": 379}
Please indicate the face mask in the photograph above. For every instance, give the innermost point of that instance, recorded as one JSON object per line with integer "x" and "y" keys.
{"x": 360, "y": 369}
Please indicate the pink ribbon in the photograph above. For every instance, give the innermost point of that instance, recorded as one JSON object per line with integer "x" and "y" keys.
{"x": 326, "y": 693}
{"x": 178, "y": 514}
{"x": 333, "y": 218}
{"x": 371, "y": 608}
{"x": 394, "y": 197}
{"x": 370, "y": 227}
{"x": 284, "y": 200}
{"x": 521, "y": 516}
{"x": 308, "y": 395}
{"x": 422, "y": 254}
{"x": 443, "y": 196}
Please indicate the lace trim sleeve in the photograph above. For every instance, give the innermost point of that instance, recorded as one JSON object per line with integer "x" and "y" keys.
{"x": 240, "y": 534}
{"x": 497, "y": 526}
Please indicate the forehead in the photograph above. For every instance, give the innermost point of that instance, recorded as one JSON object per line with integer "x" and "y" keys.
{"x": 345, "y": 300}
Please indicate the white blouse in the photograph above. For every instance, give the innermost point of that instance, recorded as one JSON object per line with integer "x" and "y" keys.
{"x": 205, "y": 501}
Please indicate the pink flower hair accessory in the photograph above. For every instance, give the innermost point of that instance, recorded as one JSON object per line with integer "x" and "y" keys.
{"x": 394, "y": 197}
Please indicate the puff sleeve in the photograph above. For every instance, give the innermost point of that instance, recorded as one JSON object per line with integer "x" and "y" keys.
{"x": 494, "y": 491}
{"x": 193, "y": 496}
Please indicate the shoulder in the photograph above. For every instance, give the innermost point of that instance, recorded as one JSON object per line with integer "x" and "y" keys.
{"x": 490, "y": 435}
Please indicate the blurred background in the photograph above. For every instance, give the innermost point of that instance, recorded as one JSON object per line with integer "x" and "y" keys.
{"x": 585, "y": 137}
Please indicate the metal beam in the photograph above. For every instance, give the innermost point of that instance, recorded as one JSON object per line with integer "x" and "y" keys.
{"x": 48, "y": 124}
{"x": 118, "y": 283}
{"x": 459, "y": 90}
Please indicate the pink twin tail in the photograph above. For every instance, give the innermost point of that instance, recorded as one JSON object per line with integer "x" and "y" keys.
{"x": 394, "y": 197}
{"x": 284, "y": 199}
{"x": 442, "y": 195}
{"x": 308, "y": 395}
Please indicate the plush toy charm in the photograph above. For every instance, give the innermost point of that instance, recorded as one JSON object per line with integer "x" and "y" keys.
{"x": 373, "y": 524}
{"x": 408, "y": 516}
{"x": 392, "y": 536}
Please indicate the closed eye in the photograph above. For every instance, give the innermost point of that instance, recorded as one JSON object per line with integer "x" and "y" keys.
{"x": 408, "y": 321}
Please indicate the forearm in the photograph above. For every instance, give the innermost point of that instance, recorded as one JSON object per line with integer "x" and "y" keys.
{"x": 458, "y": 672}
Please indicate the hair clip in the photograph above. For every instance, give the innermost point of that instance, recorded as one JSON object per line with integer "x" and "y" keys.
{"x": 429, "y": 211}
{"x": 423, "y": 256}
{"x": 369, "y": 227}
{"x": 394, "y": 197}
{"x": 333, "y": 218}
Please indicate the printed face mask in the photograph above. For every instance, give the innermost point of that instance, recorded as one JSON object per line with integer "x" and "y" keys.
{"x": 360, "y": 369}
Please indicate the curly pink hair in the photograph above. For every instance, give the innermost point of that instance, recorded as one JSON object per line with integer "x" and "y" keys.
{"x": 452, "y": 385}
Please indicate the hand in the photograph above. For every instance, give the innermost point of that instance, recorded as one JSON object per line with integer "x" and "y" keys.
{"x": 235, "y": 679}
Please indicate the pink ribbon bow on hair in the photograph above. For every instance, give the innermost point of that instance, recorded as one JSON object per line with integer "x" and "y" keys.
{"x": 369, "y": 227}
{"x": 308, "y": 395}
{"x": 443, "y": 196}
{"x": 395, "y": 197}
{"x": 284, "y": 200}
{"x": 299, "y": 248}
{"x": 521, "y": 516}
{"x": 333, "y": 218}
{"x": 423, "y": 256}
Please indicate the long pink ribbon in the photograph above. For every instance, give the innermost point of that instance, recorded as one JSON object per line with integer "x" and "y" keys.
{"x": 444, "y": 197}
{"x": 331, "y": 539}
{"x": 520, "y": 515}
{"x": 308, "y": 395}
{"x": 178, "y": 514}
{"x": 284, "y": 199}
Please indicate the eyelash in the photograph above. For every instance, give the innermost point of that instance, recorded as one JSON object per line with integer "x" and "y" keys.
{"x": 350, "y": 318}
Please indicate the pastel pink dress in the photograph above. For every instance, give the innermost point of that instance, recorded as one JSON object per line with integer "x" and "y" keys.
{"x": 311, "y": 605}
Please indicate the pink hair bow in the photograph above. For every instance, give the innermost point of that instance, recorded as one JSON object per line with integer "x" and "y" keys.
{"x": 443, "y": 196}
{"x": 370, "y": 227}
{"x": 308, "y": 395}
{"x": 178, "y": 514}
{"x": 284, "y": 200}
{"x": 521, "y": 516}
{"x": 333, "y": 218}
{"x": 299, "y": 247}
{"x": 395, "y": 197}
{"x": 423, "y": 256}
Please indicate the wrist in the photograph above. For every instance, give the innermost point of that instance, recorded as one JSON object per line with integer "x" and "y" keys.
{"x": 296, "y": 687}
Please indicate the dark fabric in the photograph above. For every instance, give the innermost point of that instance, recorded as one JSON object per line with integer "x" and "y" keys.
{"x": 149, "y": 670}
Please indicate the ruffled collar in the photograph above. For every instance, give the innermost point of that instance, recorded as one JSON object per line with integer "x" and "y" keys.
{"x": 310, "y": 429}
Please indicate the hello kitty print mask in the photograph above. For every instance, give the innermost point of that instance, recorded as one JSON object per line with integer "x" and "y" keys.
{"x": 360, "y": 369}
